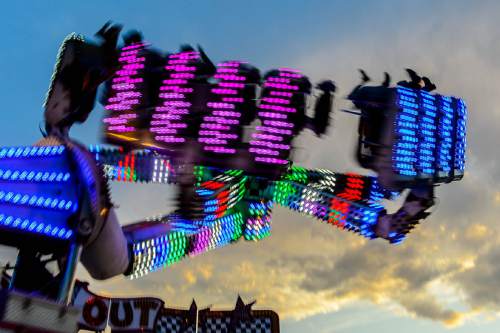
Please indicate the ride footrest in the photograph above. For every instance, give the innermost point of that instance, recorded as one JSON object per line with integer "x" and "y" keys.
{"x": 25, "y": 313}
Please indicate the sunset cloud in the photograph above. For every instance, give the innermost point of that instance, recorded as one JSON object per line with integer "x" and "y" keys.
{"x": 306, "y": 267}
{"x": 447, "y": 270}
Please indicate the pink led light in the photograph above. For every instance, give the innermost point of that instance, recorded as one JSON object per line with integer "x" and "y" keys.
{"x": 227, "y": 136}
{"x": 167, "y": 117}
{"x": 133, "y": 66}
{"x": 160, "y": 122}
{"x": 227, "y": 70}
{"x": 272, "y": 115}
{"x": 125, "y": 94}
{"x": 180, "y": 68}
{"x": 177, "y": 89}
{"x": 271, "y": 160}
{"x": 280, "y": 86}
{"x": 212, "y": 119}
{"x": 226, "y": 113}
{"x": 117, "y": 107}
{"x": 175, "y": 106}
{"x": 127, "y": 53}
{"x": 220, "y": 119}
{"x": 175, "y": 81}
{"x": 213, "y": 141}
{"x": 227, "y": 121}
{"x": 267, "y": 137}
{"x": 278, "y": 80}
{"x": 120, "y": 79}
{"x": 275, "y": 123}
{"x": 131, "y": 59}
{"x": 172, "y": 95}
{"x": 202, "y": 241}
{"x": 121, "y": 128}
{"x": 220, "y": 105}
{"x": 270, "y": 145}
{"x": 209, "y": 133}
{"x": 133, "y": 46}
{"x": 171, "y": 139}
{"x": 229, "y": 77}
{"x": 231, "y": 64}
{"x": 220, "y": 149}
{"x": 127, "y": 116}
{"x": 276, "y": 108}
{"x": 172, "y": 109}
{"x": 215, "y": 127}
{"x": 224, "y": 91}
{"x": 291, "y": 75}
{"x": 264, "y": 151}
{"x": 182, "y": 76}
{"x": 126, "y": 80}
{"x": 165, "y": 131}
{"x": 186, "y": 54}
{"x": 233, "y": 99}
{"x": 281, "y": 93}
{"x": 122, "y": 86}
{"x": 231, "y": 85}
{"x": 177, "y": 125}
{"x": 273, "y": 130}
{"x": 276, "y": 100}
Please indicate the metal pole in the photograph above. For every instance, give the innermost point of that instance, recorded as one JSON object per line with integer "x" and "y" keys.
{"x": 14, "y": 273}
{"x": 24, "y": 257}
{"x": 68, "y": 278}
{"x": 196, "y": 325}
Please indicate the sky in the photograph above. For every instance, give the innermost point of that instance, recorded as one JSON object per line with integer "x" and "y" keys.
{"x": 444, "y": 278}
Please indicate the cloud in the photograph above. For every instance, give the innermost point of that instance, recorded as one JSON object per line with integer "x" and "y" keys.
{"x": 306, "y": 267}
{"x": 480, "y": 283}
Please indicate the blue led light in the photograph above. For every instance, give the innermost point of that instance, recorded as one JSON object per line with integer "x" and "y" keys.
{"x": 460, "y": 144}
{"x": 445, "y": 129}
{"x": 404, "y": 151}
{"x": 37, "y": 201}
{"x": 23, "y": 152}
{"x": 429, "y": 135}
{"x": 34, "y": 227}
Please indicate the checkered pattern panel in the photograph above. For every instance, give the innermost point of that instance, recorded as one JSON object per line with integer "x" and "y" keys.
{"x": 259, "y": 325}
{"x": 171, "y": 324}
{"x": 215, "y": 325}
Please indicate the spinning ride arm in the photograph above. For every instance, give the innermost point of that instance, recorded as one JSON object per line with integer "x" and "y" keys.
{"x": 412, "y": 139}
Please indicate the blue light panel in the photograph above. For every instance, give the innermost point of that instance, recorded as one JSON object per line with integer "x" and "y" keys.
{"x": 460, "y": 144}
{"x": 445, "y": 139}
{"x": 429, "y": 136}
{"x": 38, "y": 194}
{"x": 427, "y": 133}
{"x": 405, "y": 149}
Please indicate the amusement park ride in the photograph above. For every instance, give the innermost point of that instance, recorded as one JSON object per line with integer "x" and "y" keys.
{"x": 180, "y": 119}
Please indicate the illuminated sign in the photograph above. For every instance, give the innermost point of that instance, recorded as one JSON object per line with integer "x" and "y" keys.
{"x": 120, "y": 314}
{"x": 127, "y": 315}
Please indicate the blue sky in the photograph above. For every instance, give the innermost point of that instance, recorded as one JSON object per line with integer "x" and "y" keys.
{"x": 444, "y": 278}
